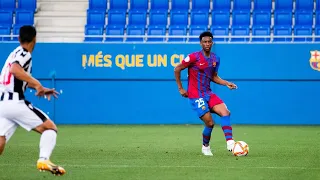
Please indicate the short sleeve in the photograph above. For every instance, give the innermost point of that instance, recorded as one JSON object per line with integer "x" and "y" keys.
{"x": 191, "y": 58}
{"x": 23, "y": 58}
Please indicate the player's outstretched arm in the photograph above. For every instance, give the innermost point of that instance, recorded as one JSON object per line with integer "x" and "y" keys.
{"x": 18, "y": 72}
{"x": 177, "y": 74}
{"x": 216, "y": 79}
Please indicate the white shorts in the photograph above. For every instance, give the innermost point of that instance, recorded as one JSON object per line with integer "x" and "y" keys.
{"x": 19, "y": 113}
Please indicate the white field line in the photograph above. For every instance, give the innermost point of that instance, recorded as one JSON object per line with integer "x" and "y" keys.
{"x": 169, "y": 166}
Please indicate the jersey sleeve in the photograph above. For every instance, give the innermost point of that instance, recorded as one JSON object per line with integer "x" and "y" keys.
{"x": 23, "y": 59}
{"x": 191, "y": 58}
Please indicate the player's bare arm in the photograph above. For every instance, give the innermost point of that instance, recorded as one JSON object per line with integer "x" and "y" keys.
{"x": 18, "y": 72}
{"x": 216, "y": 79}
{"x": 177, "y": 74}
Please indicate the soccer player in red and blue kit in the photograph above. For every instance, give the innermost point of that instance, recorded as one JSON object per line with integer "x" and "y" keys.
{"x": 203, "y": 68}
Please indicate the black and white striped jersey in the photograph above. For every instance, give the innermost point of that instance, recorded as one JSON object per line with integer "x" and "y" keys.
{"x": 8, "y": 83}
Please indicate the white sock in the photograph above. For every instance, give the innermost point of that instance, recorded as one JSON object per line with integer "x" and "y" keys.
{"x": 47, "y": 144}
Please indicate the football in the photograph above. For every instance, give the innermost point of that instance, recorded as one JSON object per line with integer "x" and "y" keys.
{"x": 240, "y": 148}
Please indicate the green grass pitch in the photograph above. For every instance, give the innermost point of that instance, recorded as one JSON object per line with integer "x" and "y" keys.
{"x": 165, "y": 152}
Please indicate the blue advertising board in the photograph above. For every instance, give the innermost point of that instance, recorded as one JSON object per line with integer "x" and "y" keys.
{"x": 134, "y": 83}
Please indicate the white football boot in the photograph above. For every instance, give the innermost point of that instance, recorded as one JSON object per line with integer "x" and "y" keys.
{"x": 230, "y": 145}
{"x": 206, "y": 150}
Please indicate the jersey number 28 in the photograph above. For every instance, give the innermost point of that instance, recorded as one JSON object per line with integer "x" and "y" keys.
{"x": 6, "y": 76}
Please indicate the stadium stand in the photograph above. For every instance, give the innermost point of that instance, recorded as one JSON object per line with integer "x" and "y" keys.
{"x": 61, "y": 20}
{"x": 225, "y": 19}
{"x": 56, "y": 20}
{"x": 118, "y": 20}
{"x": 13, "y": 14}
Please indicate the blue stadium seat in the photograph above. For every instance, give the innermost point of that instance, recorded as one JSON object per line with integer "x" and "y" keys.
{"x": 201, "y": 5}
{"x": 158, "y": 18}
{"x": 220, "y": 18}
{"x": 15, "y": 31}
{"x": 179, "y": 5}
{"x": 241, "y": 18}
{"x": 92, "y": 30}
{"x": 306, "y": 5}
{"x": 119, "y": 5}
{"x": 96, "y": 18}
{"x": 196, "y": 31}
{"x": 243, "y": 5}
{"x": 179, "y": 18}
{"x": 282, "y": 31}
{"x": 285, "y": 5}
{"x": 317, "y": 18}
{"x": 6, "y": 18}
{"x": 114, "y": 31}
{"x": 139, "y": 5}
{"x": 261, "y": 31}
{"x": 282, "y": 18}
{"x": 261, "y": 18}
{"x": 263, "y": 5}
{"x": 159, "y": 5}
{"x": 317, "y": 33}
{"x": 24, "y": 17}
{"x": 221, "y": 5}
{"x": 156, "y": 31}
{"x": 117, "y": 18}
{"x": 5, "y": 30}
{"x": 135, "y": 31}
{"x": 220, "y": 31}
{"x": 7, "y": 4}
{"x": 302, "y": 31}
{"x": 199, "y": 18}
{"x": 303, "y": 18}
{"x": 30, "y": 5}
{"x": 137, "y": 18}
{"x": 240, "y": 31}
{"x": 177, "y": 31}
{"x": 317, "y": 5}
{"x": 98, "y": 5}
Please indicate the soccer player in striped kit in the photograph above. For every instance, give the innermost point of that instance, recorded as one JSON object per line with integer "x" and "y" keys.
{"x": 16, "y": 111}
{"x": 203, "y": 68}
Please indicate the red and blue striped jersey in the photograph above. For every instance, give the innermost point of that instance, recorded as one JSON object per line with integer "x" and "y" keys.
{"x": 200, "y": 73}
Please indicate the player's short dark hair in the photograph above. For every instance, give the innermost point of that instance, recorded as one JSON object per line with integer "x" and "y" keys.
{"x": 205, "y": 34}
{"x": 27, "y": 33}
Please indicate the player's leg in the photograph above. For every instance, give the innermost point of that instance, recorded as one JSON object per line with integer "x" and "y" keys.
{"x": 48, "y": 131}
{"x": 206, "y": 133}
{"x": 208, "y": 127}
{"x": 219, "y": 107}
{"x": 224, "y": 113}
{"x": 2, "y": 144}
{"x": 7, "y": 129}
{"x": 203, "y": 111}
{"x": 32, "y": 118}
